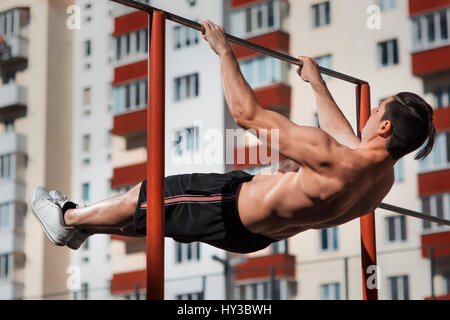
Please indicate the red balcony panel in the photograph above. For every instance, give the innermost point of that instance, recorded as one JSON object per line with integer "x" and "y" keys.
{"x": 129, "y": 175}
{"x": 260, "y": 267}
{"x": 441, "y": 242}
{"x": 441, "y": 119}
{"x": 434, "y": 182}
{"x": 421, "y": 6}
{"x": 241, "y": 3}
{"x": 430, "y": 61}
{"x": 277, "y": 95}
{"x": 278, "y": 41}
{"x": 129, "y": 123}
{"x": 252, "y": 157}
{"x": 443, "y": 297}
{"x": 130, "y": 72}
{"x": 130, "y": 22}
{"x": 121, "y": 238}
{"x": 126, "y": 282}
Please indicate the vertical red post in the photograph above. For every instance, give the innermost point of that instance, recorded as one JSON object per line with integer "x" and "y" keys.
{"x": 155, "y": 158}
{"x": 367, "y": 222}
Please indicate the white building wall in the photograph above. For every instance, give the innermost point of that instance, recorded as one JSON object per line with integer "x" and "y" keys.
{"x": 354, "y": 51}
{"x": 94, "y": 119}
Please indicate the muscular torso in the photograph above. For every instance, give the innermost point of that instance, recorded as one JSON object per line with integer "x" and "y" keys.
{"x": 284, "y": 203}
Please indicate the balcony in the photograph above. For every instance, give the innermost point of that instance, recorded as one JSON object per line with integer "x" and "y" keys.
{"x": 126, "y": 282}
{"x": 129, "y": 175}
{"x": 11, "y": 290}
{"x": 420, "y": 6}
{"x": 11, "y": 241}
{"x": 13, "y": 142}
{"x": 282, "y": 265}
{"x": 13, "y": 101}
{"x": 13, "y": 49}
{"x": 440, "y": 242}
{"x": 431, "y": 61}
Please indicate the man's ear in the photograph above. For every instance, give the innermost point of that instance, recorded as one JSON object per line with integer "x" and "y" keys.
{"x": 385, "y": 128}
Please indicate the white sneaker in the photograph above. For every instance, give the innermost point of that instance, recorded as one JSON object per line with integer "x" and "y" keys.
{"x": 79, "y": 236}
{"x": 49, "y": 215}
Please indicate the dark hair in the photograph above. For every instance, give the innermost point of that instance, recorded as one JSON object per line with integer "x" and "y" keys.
{"x": 412, "y": 123}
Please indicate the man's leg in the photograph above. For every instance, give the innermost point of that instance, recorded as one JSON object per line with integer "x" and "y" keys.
{"x": 110, "y": 214}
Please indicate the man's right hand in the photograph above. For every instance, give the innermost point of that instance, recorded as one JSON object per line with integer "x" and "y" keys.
{"x": 308, "y": 70}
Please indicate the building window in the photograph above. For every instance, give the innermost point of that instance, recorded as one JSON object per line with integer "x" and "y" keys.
{"x": 7, "y": 22}
{"x": 190, "y": 296}
{"x": 431, "y": 30}
{"x": 321, "y": 14}
{"x": 329, "y": 239}
{"x": 86, "y": 146}
{"x": 263, "y": 71}
{"x": 132, "y": 44}
{"x": 184, "y": 37}
{"x": 398, "y": 288}
{"x": 330, "y": 291}
{"x": 86, "y": 96}
{"x": 399, "y": 171}
{"x": 396, "y": 227}
{"x": 387, "y": 4}
{"x": 257, "y": 19}
{"x": 87, "y": 48}
{"x": 85, "y": 291}
{"x": 4, "y": 266}
{"x": 5, "y": 215}
{"x": 186, "y": 141}
{"x": 186, "y": 87}
{"x": 185, "y": 252}
{"x": 253, "y": 291}
{"x": 388, "y": 53}
{"x": 86, "y": 191}
{"x": 280, "y": 246}
{"x": 436, "y": 206}
{"x": 442, "y": 97}
{"x": 130, "y": 97}
{"x": 5, "y": 166}
{"x": 325, "y": 61}
{"x": 439, "y": 158}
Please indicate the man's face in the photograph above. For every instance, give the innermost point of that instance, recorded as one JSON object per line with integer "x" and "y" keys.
{"x": 374, "y": 122}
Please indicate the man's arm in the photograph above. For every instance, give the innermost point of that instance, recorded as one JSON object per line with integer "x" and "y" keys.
{"x": 305, "y": 145}
{"x": 331, "y": 118}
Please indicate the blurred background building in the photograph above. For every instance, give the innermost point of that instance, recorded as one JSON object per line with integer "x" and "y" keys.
{"x": 73, "y": 117}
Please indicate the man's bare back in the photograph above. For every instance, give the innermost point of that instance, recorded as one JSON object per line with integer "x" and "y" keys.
{"x": 284, "y": 203}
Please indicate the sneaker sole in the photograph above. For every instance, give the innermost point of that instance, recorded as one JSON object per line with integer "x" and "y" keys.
{"x": 32, "y": 198}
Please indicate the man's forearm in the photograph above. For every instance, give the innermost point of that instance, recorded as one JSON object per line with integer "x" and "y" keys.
{"x": 331, "y": 118}
{"x": 239, "y": 96}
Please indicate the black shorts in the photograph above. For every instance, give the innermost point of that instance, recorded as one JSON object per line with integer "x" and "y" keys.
{"x": 202, "y": 207}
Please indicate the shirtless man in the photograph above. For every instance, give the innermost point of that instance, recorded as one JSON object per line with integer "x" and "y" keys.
{"x": 330, "y": 177}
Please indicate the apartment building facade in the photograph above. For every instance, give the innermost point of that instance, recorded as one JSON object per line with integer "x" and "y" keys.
{"x": 194, "y": 107}
{"x": 35, "y": 142}
{"x": 92, "y": 116}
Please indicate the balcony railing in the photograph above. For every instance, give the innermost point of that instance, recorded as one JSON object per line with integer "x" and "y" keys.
{"x": 13, "y": 48}
{"x": 13, "y": 101}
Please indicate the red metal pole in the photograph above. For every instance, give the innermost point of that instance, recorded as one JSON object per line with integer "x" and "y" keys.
{"x": 367, "y": 222}
{"x": 155, "y": 158}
